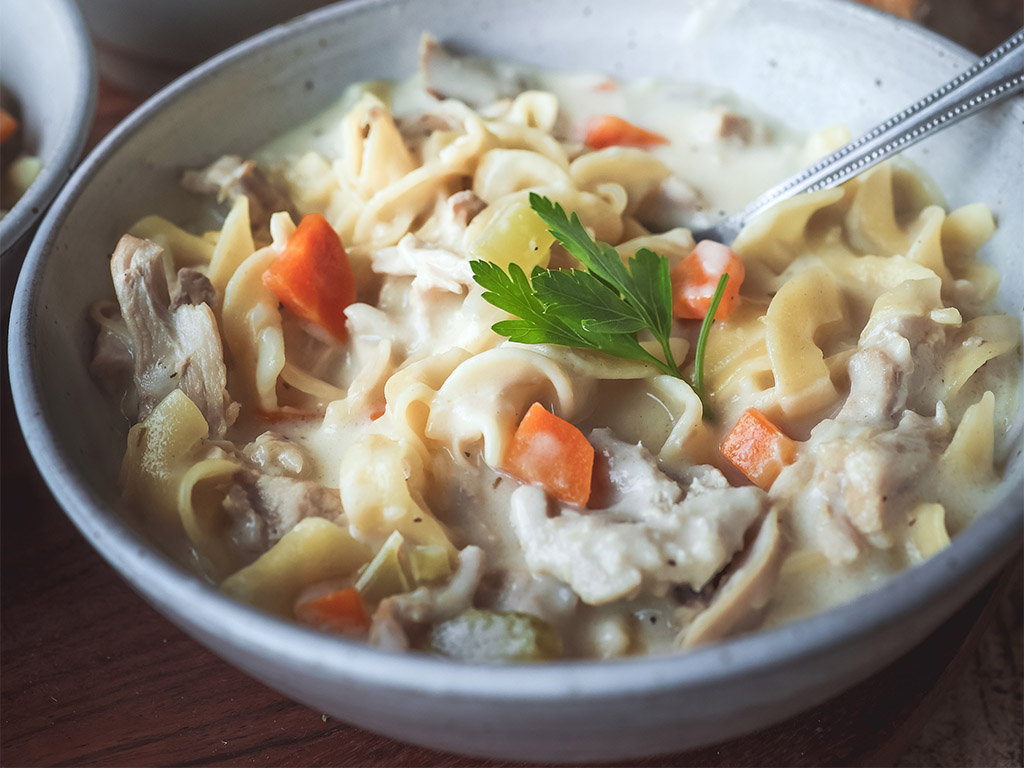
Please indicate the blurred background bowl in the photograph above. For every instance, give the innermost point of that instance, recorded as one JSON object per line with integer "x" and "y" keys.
{"x": 46, "y": 64}
{"x": 142, "y": 46}
{"x": 810, "y": 63}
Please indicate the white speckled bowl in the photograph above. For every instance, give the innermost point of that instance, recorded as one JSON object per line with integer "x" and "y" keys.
{"x": 810, "y": 62}
{"x": 46, "y": 62}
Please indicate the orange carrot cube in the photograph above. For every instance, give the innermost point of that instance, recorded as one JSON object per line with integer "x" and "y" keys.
{"x": 758, "y": 448}
{"x": 551, "y": 452}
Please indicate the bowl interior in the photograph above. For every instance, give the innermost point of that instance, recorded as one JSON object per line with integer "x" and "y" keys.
{"x": 779, "y": 57}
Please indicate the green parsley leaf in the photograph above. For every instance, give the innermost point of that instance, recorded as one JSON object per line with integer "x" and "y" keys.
{"x": 702, "y": 342}
{"x": 603, "y": 308}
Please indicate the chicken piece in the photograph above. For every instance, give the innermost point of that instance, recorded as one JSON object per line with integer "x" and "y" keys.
{"x": 172, "y": 349}
{"x": 716, "y": 123}
{"x": 465, "y": 205}
{"x": 112, "y": 366}
{"x": 853, "y": 483}
{"x": 867, "y": 472}
{"x": 432, "y": 268}
{"x": 473, "y": 81}
{"x": 893, "y": 369}
{"x": 654, "y": 534}
{"x": 878, "y": 386}
{"x": 230, "y": 177}
{"x": 276, "y": 455}
{"x": 264, "y": 507}
{"x": 734, "y": 125}
{"x": 398, "y": 618}
{"x": 193, "y": 288}
{"x": 416, "y": 132}
{"x": 745, "y": 590}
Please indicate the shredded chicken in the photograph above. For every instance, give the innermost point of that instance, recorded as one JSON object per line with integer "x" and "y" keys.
{"x": 856, "y": 481}
{"x": 263, "y": 508}
{"x": 465, "y": 205}
{"x": 230, "y": 177}
{"x": 193, "y": 288}
{"x": 716, "y": 123}
{"x": 745, "y": 590}
{"x": 274, "y": 454}
{"x": 432, "y": 268}
{"x": 893, "y": 369}
{"x": 473, "y": 81}
{"x": 655, "y": 533}
{"x": 112, "y": 366}
{"x": 176, "y": 348}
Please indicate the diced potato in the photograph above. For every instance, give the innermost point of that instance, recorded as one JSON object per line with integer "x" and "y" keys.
{"x": 516, "y": 234}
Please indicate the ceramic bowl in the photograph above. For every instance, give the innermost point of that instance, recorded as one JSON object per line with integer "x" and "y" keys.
{"x": 143, "y": 46}
{"x": 47, "y": 65}
{"x": 811, "y": 63}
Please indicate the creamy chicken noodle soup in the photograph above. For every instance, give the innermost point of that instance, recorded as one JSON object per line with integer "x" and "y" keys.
{"x": 445, "y": 377}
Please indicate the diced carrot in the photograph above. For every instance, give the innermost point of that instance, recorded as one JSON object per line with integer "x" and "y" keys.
{"x": 696, "y": 277}
{"x": 611, "y": 131}
{"x": 553, "y": 453}
{"x": 312, "y": 277}
{"x": 8, "y": 126}
{"x": 758, "y": 448}
{"x": 340, "y": 611}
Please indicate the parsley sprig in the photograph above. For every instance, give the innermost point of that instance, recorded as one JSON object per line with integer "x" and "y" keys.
{"x": 603, "y": 307}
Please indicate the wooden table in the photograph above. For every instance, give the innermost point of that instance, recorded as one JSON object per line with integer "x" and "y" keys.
{"x": 91, "y": 675}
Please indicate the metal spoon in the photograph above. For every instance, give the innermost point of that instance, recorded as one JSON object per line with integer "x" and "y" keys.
{"x": 993, "y": 78}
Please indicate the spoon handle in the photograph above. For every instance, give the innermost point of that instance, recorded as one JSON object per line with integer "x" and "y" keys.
{"x": 993, "y": 78}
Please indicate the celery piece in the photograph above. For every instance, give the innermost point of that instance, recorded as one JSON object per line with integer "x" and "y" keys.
{"x": 384, "y": 576}
{"x": 428, "y": 563}
{"x": 478, "y": 635}
{"x": 516, "y": 234}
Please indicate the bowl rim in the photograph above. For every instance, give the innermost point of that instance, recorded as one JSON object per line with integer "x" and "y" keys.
{"x": 74, "y": 132}
{"x": 165, "y": 583}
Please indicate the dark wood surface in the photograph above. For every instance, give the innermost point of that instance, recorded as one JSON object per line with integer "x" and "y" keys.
{"x": 91, "y": 675}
